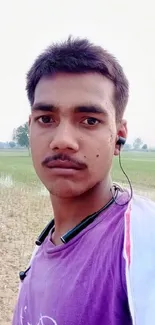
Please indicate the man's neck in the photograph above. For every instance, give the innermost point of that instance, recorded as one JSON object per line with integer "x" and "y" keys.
{"x": 70, "y": 212}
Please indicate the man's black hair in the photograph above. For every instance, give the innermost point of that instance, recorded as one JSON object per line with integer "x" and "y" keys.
{"x": 80, "y": 56}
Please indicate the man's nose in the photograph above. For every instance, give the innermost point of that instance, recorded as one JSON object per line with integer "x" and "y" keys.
{"x": 64, "y": 138}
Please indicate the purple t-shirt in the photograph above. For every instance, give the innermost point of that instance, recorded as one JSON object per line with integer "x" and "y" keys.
{"x": 81, "y": 282}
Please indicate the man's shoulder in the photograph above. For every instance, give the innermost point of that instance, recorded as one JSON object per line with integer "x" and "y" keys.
{"x": 139, "y": 248}
{"x": 142, "y": 212}
{"x": 143, "y": 203}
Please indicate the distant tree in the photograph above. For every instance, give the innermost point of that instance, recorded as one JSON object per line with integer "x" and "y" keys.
{"x": 4, "y": 145}
{"x": 21, "y": 135}
{"x": 127, "y": 147}
{"x": 137, "y": 144}
{"x": 12, "y": 144}
{"x": 1, "y": 145}
{"x": 145, "y": 147}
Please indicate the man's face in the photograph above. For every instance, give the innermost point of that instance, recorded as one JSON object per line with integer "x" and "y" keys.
{"x": 73, "y": 132}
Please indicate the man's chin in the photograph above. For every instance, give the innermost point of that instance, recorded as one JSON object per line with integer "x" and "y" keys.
{"x": 66, "y": 193}
{"x": 66, "y": 190}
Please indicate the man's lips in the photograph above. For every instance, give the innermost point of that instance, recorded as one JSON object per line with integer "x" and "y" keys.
{"x": 63, "y": 161}
{"x": 65, "y": 164}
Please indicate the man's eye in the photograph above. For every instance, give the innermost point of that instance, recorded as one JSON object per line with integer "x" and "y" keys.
{"x": 45, "y": 119}
{"x": 91, "y": 121}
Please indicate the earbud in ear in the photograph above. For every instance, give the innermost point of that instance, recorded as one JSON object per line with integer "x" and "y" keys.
{"x": 121, "y": 141}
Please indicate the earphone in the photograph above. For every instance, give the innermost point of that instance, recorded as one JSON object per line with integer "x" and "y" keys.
{"x": 121, "y": 141}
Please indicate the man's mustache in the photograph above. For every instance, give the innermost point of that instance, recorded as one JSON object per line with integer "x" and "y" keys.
{"x": 63, "y": 157}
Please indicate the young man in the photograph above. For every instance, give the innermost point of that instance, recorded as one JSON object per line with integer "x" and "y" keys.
{"x": 93, "y": 275}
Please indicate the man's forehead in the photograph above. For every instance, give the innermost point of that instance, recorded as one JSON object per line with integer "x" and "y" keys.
{"x": 74, "y": 89}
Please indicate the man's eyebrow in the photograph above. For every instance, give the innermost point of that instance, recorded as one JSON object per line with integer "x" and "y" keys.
{"x": 90, "y": 109}
{"x": 44, "y": 107}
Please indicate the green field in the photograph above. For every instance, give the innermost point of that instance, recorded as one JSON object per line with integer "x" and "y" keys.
{"x": 139, "y": 166}
{"x": 25, "y": 210}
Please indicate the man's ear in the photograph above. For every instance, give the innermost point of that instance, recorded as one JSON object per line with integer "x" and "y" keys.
{"x": 122, "y": 132}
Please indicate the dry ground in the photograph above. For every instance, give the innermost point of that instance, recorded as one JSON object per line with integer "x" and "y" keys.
{"x": 23, "y": 215}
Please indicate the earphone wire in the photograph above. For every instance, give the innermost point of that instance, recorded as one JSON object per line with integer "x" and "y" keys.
{"x": 119, "y": 187}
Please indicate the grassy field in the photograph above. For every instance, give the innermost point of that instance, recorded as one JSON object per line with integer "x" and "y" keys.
{"x": 25, "y": 209}
{"x": 139, "y": 166}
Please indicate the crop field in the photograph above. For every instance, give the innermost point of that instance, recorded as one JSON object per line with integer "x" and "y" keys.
{"x": 25, "y": 209}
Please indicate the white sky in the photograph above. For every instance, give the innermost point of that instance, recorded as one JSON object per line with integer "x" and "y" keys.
{"x": 125, "y": 28}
